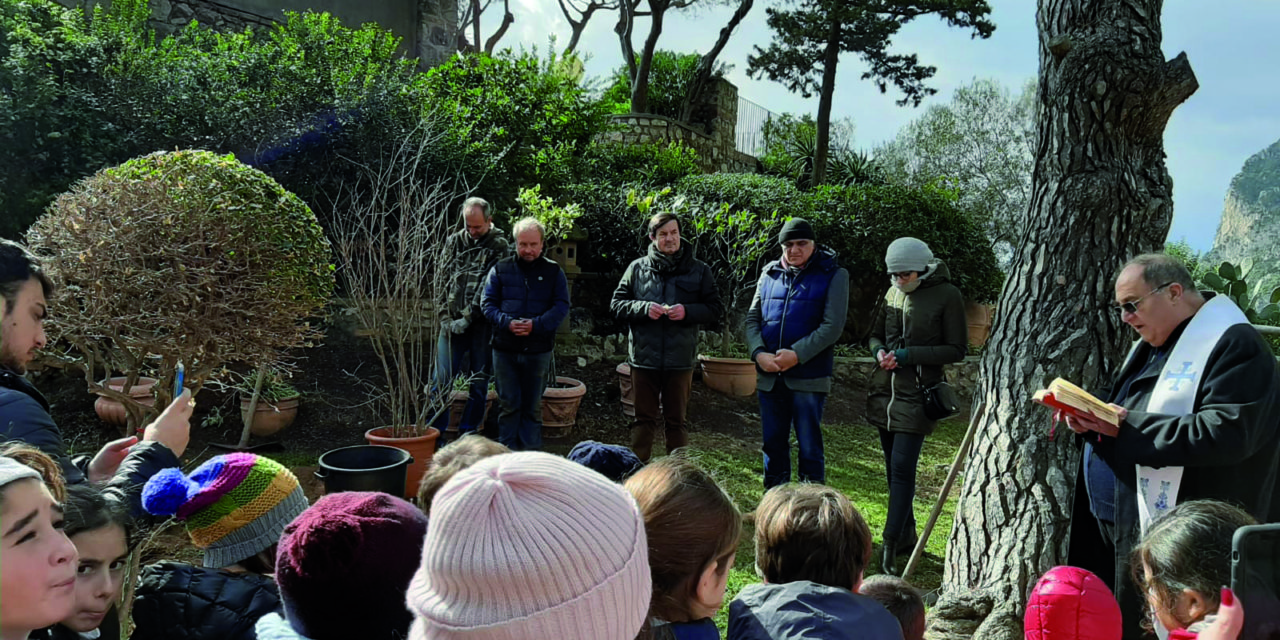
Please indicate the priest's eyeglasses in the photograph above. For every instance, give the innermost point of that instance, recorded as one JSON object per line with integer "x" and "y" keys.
{"x": 1131, "y": 307}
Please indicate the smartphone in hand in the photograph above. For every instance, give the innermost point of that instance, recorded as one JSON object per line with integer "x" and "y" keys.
{"x": 179, "y": 373}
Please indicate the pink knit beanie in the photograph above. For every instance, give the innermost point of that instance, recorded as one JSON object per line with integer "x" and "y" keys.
{"x": 531, "y": 546}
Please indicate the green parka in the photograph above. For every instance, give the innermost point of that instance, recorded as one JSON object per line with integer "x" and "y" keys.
{"x": 929, "y": 324}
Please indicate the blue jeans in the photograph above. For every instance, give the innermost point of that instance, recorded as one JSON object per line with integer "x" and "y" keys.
{"x": 779, "y": 410}
{"x": 464, "y": 354}
{"x": 522, "y": 378}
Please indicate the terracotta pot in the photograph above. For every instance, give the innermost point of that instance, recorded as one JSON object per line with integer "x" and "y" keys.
{"x": 458, "y": 404}
{"x": 560, "y": 407}
{"x": 269, "y": 418}
{"x": 421, "y": 448}
{"x": 978, "y": 317}
{"x": 112, "y": 411}
{"x": 730, "y": 376}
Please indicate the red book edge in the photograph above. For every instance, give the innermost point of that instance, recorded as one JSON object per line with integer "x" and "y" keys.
{"x": 1048, "y": 400}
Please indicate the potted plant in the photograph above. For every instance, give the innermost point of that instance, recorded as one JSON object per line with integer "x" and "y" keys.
{"x": 458, "y": 402}
{"x": 182, "y": 256}
{"x": 560, "y": 402}
{"x": 389, "y": 238}
{"x": 276, "y": 408}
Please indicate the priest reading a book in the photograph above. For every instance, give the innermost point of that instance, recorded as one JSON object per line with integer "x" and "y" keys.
{"x": 1193, "y": 414}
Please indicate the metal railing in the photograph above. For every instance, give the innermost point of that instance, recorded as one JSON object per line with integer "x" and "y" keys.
{"x": 749, "y": 131}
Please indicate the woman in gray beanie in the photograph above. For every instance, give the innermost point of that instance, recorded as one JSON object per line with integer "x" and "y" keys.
{"x": 919, "y": 328}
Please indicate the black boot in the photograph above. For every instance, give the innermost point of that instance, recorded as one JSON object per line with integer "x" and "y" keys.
{"x": 908, "y": 544}
{"x": 888, "y": 554}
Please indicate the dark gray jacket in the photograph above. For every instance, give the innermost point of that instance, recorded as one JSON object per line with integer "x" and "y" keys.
{"x": 808, "y": 611}
{"x": 665, "y": 343}
{"x": 929, "y": 323}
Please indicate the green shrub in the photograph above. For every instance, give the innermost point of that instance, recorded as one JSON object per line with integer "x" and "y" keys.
{"x": 859, "y": 222}
{"x": 670, "y": 75}
{"x": 745, "y": 192}
{"x": 180, "y": 256}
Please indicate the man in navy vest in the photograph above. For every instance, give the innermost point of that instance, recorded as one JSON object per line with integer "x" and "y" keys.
{"x": 794, "y": 321}
{"x": 525, "y": 299}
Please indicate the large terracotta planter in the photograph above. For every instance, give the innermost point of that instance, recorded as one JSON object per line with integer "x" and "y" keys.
{"x": 560, "y": 407}
{"x": 112, "y": 411}
{"x": 978, "y": 317}
{"x": 730, "y": 376}
{"x": 458, "y": 404}
{"x": 269, "y": 418}
{"x": 421, "y": 448}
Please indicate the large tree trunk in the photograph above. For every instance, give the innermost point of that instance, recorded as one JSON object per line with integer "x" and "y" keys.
{"x": 825, "y": 99}
{"x": 1100, "y": 195}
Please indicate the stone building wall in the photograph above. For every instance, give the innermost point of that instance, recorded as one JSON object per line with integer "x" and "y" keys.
{"x": 714, "y": 141}
{"x": 426, "y": 27}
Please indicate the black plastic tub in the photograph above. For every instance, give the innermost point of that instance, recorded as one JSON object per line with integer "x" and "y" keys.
{"x": 365, "y": 467}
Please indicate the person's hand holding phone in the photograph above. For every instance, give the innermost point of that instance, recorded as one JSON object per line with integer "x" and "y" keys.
{"x": 521, "y": 326}
{"x": 173, "y": 428}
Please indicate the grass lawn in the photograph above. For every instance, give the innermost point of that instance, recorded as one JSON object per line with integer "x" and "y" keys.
{"x": 855, "y": 466}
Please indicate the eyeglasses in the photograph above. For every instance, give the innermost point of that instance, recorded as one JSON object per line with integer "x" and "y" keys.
{"x": 1131, "y": 307}
{"x": 901, "y": 275}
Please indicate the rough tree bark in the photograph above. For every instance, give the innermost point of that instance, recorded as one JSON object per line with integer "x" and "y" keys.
{"x": 1100, "y": 194}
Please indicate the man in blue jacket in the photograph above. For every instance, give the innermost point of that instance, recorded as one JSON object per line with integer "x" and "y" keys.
{"x": 795, "y": 319}
{"x": 123, "y": 465}
{"x": 526, "y": 297}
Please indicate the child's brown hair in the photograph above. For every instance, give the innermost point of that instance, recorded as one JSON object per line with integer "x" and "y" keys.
{"x": 690, "y": 522}
{"x": 448, "y": 461}
{"x": 811, "y": 532}
{"x": 900, "y": 599}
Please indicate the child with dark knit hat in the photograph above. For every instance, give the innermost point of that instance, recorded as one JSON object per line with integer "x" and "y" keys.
{"x": 344, "y": 566}
{"x": 235, "y": 508}
{"x": 612, "y": 461}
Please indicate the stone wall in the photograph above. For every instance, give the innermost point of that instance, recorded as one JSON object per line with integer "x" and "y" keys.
{"x": 714, "y": 141}
{"x": 426, "y": 27}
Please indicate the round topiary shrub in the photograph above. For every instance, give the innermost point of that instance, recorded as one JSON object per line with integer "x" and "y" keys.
{"x": 179, "y": 256}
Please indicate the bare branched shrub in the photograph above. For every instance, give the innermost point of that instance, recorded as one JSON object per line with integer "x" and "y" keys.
{"x": 179, "y": 256}
{"x": 389, "y": 233}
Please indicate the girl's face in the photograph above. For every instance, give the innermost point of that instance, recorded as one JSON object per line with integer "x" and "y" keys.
{"x": 711, "y": 585}
{"x": 37, "y": 561}
{"x": 104, "y": 557}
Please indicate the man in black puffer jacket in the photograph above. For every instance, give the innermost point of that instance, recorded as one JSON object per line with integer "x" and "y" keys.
{"x": 664, "y": 297}
{"x": 526, "y": 297}
{"x": 123, "y": 465}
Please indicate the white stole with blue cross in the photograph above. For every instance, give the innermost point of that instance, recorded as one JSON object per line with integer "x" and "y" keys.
{"x": 1175, "y": 394}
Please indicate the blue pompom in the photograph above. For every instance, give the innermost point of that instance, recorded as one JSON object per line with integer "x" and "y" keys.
{"x": 165, "y": 492}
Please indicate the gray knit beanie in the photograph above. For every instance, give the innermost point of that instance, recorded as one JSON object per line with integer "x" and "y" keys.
{"x": 907, "y": 254}
{"x": 11, "y": 471}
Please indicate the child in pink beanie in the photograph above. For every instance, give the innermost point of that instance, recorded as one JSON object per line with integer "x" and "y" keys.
{"x": 531, "y": 546}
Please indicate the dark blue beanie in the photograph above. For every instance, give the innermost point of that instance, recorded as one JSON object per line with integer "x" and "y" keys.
{"x": 612, "y": 461}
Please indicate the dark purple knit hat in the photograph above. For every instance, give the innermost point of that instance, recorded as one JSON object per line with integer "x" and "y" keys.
{"x": 344, "y": 566}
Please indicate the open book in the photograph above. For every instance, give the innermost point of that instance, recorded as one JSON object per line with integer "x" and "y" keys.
{"x": 1076, "y": 401}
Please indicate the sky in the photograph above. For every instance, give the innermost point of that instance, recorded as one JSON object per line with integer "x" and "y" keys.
{"x": 1232, "y": 116}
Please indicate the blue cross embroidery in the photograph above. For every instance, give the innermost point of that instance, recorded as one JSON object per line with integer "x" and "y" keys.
{"x": 1176, "y": 378}
{"x": 1142, "y": 484}
{"x": 1162, "y": 500}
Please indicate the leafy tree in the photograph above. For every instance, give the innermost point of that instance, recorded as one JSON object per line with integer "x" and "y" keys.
{"x": 979, "y": 144}
{"x": 639, "y": 66}
{"x": 810, "y": 35}
{"x": 671, "y": 77}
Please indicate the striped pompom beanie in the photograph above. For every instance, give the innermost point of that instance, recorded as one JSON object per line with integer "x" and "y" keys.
{"x": 235, "y": 506}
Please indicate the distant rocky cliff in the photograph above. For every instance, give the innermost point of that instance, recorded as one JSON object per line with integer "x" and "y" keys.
{"x": 1250, "y": 226}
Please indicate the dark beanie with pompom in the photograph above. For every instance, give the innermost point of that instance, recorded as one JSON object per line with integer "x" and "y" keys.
{"x": 344, "y": 566}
